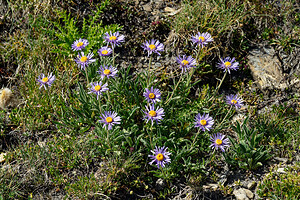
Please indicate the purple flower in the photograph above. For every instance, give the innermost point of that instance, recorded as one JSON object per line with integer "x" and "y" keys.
{"x": 109, "y": 119}
{"x": 107, "y": 71}
{"x": 234, "y": 100}
{"x": 104, "y": 51}
{"x": 186, "y": 62}
{"x": 152, "y": 114}
{"x": 161, "y": 157}
{"x": 46, "y": 80}
{"x": 228, "y": 64}
{"x": 98, "y": 88}
{"x": 83, "y": 61}
{"x": 202, "y": 39}
{"x": 152, "y": 95}
{"x": 153, "y": 46}
{"x": 204, "y": 122}
{"x": 80, "y": 44}
{"x": 218, "y": 141}
{"x": 114, "y": 38}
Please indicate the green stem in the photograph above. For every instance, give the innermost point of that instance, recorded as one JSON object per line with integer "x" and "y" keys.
{"x": 192, "y": 146}
{"x": 198, "y": 53}
{"x": 217, "y": 89}
{"x": 149, "y": 67}
{"x": 224, "y": 118}
{"x": 87, "y": 77}
{"x": 99, "y": 100}
{"x": 174, "y": 89}
{"x": 113, "y": 56}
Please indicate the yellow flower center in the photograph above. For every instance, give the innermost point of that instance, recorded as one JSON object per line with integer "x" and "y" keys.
{"x": 203, "y": 122}
{"x": 45, "y": 79}
{"x": 151, "y": 95}
{"x": 106, "y": 72}
{"x": 219, "y": 142}
{"x": 83, "y": 59}
{"x": 97, "y": 87}
{"x": 152, "y": 46}
{"x": 159, "y": 157}
{"x": 112, "y": 37}
{"x": 104, "y": 52}
{"x": 79, "y": 44}
{"x": 152, "y": 113}
{"x": 233, "y": 101}
{"x": 227, "y": 64}
{"x": 185, "y": 62}
{"x": 109, "y": 119}
{"x": 201, "y": 38}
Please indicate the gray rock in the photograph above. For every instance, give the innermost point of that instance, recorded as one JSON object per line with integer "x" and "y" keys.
{"x": 249, "y": 194}
{"x": 240, "y": 194}
{"x": 281, "y": 170}
{"x": 275, "y": 70}
{"x": 266, "y": 69}
{"x": 251, "y": 185}
{"x": 147, "y": 7}
{"x": 160, "y": 184}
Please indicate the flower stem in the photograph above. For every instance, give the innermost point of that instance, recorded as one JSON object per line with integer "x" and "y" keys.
{"x": 149, "y": 67}
{"x": 192, "y": 146}
{"x": 87, "y": 77}
{"x": 174, "y": 89}
{"x": 217, "y": 89}
{"x": 99, "y": 99}
{"x": 224, "y": 118}
{"x": 113, "y": 56}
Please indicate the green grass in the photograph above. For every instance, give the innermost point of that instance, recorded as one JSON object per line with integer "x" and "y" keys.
{"x": 63, "y": 147}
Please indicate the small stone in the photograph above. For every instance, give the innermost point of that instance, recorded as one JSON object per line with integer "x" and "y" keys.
{"x": 251, "y": 185}
{"x": 147, "y": 7}
{"x": 240, "y": 194}
{"x": 160, "y": 184}
{"x": 281, "y": 170}
{"x": 249, "y": 194}
{"x": 2, "y": 157}
{"x": 284, "y": 160}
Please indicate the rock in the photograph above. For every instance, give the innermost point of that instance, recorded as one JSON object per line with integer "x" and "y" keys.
{"x": 249, "y": 194}
{"x": 251, "y": 185}
{"x": 275, "y": 70}
{"x": 243, "y": 194}
{"x": 210, "y": 186}
{"x": 281, "y": 170}
{"x": 240, "y": 194}
{"x": 266, "y": 69}
{"x": 147, "y": 7}
{"x": 2, "y": 159}
{"x": 171, "y": 11}
{"x": 284, "y": 160}
{"x": 160, "y": 184}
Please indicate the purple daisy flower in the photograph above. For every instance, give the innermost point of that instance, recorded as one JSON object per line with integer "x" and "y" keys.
{"x": 152, "y": 95}
{"x": 228, "y": 64}
{"x": 46, "y": 80}
{"x": 234, "y": 100}
{"x": 153, "y": 46}
{"x": 80, "y": 44}
{"x": 161, "y": 157}
{"x": 104, "y": 51}
{"x": 218, "y": 141}
{"x": 107, "y": 71}
{"x": 202, "y": 39}
{"x": 109, "y": 119}
{"x": 98, "y": 88}
{"x": 186, "y": 62}
{"x": 114, "y": 38}
{"x": 83, "y": 61}
{"x": 152, "y": 114}
{"x": 204, "y": 122}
